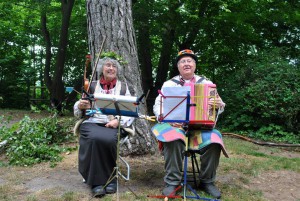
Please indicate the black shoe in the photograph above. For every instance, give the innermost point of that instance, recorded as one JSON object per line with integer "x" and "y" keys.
{"x": 98, "y": 191}
{"x": 111, "y": 187}
{"x": 210, "y": 189}
{"x": 169, "y": 190}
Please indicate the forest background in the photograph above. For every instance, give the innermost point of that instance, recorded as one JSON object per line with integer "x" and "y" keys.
{"x": 250, "y": 49}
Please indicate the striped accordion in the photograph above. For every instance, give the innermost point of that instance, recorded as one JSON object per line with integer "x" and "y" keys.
{"x": 194, "y": 104}
{"x": 203, "y": 115}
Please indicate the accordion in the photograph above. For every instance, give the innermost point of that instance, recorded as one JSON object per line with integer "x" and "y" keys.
{"x": 194, "y": 104}
{"x": 203, "y": 114}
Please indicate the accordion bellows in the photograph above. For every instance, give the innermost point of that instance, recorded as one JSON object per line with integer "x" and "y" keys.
{"x": 199, "y": 98}
{"x": 203, "y": 114}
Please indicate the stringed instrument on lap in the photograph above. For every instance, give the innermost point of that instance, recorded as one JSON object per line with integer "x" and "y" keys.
{"x": 85, "y": 79}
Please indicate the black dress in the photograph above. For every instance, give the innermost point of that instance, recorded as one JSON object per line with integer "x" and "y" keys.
{"x": 97, "y": 152}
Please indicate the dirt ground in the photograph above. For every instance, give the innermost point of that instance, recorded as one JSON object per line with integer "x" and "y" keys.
{"x": 274, "y": 185}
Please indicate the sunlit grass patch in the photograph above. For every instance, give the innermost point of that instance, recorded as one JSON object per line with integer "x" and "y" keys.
{"x": 56, "y": 194}
{"x": 250, "y": 158}
{"x": 236, "y": 192}
{"x": 6, "y": 192}
{"x": 10, "y": 191}
{"x": 69, "y": 197}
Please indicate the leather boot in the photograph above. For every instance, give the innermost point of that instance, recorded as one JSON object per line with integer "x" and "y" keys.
{"x": 98, "y": 191}
{"x": 169, "y": 190}
{"x": 111, "y": 187}
{"x": 210, "y": 189}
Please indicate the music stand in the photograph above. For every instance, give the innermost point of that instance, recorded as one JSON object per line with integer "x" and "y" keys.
{"x": 109, "y": 104}
{"x": 184, "y": 103}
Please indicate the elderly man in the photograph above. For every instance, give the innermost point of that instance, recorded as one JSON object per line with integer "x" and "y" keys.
{"x": 173, "y": 151}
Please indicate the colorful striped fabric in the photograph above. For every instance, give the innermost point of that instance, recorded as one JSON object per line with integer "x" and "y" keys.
{"x": 164, "y": 132}
{"x": 198, "y": 139}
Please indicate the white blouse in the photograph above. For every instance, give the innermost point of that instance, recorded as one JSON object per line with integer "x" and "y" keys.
{"x": 102, "y": 118}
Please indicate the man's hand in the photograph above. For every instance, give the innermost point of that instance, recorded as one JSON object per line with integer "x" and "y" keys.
{"x": 217, "y": 102}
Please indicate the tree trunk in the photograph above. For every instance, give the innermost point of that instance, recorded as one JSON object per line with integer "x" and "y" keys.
{"x": 169, "y": 33}
{"x": 144, "y": 45}
{"x": 55, "y": 84}
{"x": 113, "y": 19}
{"x": 46, "y": 35}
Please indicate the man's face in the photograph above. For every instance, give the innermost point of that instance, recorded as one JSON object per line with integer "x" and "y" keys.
{"x": 186, "y": 66}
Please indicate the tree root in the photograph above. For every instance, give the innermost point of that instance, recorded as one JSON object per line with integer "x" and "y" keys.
{"x": 260, "y": 142}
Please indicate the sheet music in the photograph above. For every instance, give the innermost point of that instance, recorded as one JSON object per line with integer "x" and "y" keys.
{"x": 172, "y": 108}
{"x": 109, "y": 104}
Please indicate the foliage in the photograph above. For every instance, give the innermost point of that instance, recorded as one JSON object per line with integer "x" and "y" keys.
{"x": 226, "y": 35}
{"x": 22, "y": 53}
{"x": 263, "y": 97}
{"x": 35, "y": 141}
{"x": 13, "y": 53}
{"x": 115, "y": 56}
{"x": 276, "y": 133}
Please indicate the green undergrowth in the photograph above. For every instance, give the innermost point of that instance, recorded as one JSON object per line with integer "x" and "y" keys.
{"x": 32, "y": 141}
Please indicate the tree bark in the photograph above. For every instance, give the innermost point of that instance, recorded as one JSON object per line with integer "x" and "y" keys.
{"x": 113, "y": 19}
{"x": 55, "y": 84}
{"x": 46, "y": 35}
{"x": 167, "y": 48}
{"x": 58, "y": 90}
{"x": 144, "y": 45}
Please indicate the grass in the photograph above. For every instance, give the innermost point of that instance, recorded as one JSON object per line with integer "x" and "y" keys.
{"x": 249, "y": 158}
{"x": 235, "y": 177}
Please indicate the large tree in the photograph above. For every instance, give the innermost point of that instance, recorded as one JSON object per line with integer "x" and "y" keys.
{"x": 112, "y": 19}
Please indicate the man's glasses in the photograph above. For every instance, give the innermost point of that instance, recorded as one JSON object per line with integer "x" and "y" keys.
{"x": 182, "y": 61}
{"x": 108, "y": 65}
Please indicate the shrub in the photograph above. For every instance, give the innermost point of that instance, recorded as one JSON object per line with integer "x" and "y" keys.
{"x": 34, "y": 141}
{"x": 263, "y": 98}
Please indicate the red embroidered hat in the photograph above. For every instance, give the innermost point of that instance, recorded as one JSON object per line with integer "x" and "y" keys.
{"x": 186, "y": 52}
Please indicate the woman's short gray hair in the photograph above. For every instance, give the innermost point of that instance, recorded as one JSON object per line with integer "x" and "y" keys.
{"x": 103, "y": 61}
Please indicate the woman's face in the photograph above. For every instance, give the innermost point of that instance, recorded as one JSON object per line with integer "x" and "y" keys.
{"x": 109, "y": 71}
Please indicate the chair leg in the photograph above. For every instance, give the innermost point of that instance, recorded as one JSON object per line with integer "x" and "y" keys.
{"x": 194, "y": 161}
{"x": 197, "y": 166}
{"x": 195, "y": 169}
{"x": 127, "y": 176}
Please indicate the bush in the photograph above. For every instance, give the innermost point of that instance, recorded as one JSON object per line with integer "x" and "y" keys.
{"x": 264, "y": 99}
{"x": 34, "y": 141}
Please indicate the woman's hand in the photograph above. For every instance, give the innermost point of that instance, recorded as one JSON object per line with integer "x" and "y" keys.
{"x": 84, "y": 104}
{"x": 113, "y": 123}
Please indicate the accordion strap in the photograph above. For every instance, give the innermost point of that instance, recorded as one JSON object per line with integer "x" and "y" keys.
{"x": 176, "y": 81}
{"x": 200, "y": 80}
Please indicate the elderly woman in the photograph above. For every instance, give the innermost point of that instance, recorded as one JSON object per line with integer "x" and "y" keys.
{"x": 98, "y": 133}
